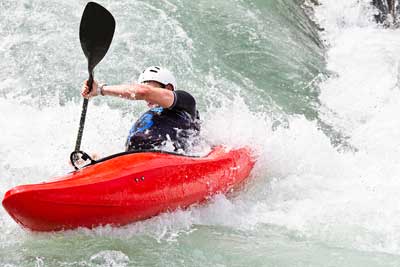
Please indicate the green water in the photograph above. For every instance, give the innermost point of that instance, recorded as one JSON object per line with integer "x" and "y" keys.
{"x": 201, "y": 246}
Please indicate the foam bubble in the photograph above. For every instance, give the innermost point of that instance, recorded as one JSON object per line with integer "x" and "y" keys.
{"x": 110, "y": 258}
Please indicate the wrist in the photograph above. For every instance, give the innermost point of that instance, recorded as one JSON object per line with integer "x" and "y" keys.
{"x": 101, "y": 89}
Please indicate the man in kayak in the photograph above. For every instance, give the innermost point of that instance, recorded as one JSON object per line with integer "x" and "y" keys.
{"x": 172, "y": 116}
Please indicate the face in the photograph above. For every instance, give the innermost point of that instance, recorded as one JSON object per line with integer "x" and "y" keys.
{"x": 153, "y": 84}
{"x": 157, "y": 85}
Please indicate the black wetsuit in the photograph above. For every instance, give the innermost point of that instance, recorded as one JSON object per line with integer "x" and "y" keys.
{"x": 157, "y": 125}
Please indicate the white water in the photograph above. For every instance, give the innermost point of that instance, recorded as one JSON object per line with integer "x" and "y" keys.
{"x": 361, "y": 99}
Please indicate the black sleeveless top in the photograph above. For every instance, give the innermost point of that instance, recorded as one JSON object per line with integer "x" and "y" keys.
{"x": 157, "y": 125}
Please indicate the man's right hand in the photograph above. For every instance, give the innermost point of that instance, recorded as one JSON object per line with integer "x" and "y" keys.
{"x": 85, "y": 90}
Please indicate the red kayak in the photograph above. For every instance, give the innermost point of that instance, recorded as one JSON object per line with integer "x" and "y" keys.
{"x": 127, "y": 187}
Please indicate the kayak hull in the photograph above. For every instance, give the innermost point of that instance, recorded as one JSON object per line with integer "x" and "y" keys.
{"x": 126, "y": 188}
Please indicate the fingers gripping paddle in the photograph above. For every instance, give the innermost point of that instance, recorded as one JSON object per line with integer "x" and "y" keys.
{"x": 95, "y": 33}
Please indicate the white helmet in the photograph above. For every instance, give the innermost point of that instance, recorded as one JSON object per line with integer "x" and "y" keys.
{"x": 157, "y": 74}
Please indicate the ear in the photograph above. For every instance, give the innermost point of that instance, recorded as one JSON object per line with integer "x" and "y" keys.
{"x": 169, "y": 87}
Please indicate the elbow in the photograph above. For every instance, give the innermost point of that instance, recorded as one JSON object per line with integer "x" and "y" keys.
{"x": 168, "y": 98}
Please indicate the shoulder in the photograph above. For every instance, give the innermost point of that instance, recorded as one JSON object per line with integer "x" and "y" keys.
{"x": 184, "y": 96}
{"x": 184, "y": 101}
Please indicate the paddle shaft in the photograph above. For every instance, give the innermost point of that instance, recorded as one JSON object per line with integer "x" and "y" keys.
{"x": 83, "y": 114}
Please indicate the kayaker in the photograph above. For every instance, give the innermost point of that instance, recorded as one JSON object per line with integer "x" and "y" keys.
{"x": 172, "y": 116}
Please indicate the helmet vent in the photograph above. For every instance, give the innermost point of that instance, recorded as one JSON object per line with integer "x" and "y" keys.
{"x": 154, "y": 71}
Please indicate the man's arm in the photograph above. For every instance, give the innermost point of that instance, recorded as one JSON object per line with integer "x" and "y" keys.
{"x": 159, "y": 96}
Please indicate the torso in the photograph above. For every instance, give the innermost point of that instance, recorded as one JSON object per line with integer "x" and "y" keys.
{"x": 159, "y": 125}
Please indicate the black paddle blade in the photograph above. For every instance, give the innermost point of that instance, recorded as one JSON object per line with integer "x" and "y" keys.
{"x": 96, "y": 32}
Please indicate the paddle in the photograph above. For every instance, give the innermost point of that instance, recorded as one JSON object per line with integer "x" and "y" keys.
{"x": 95, "y": 33}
